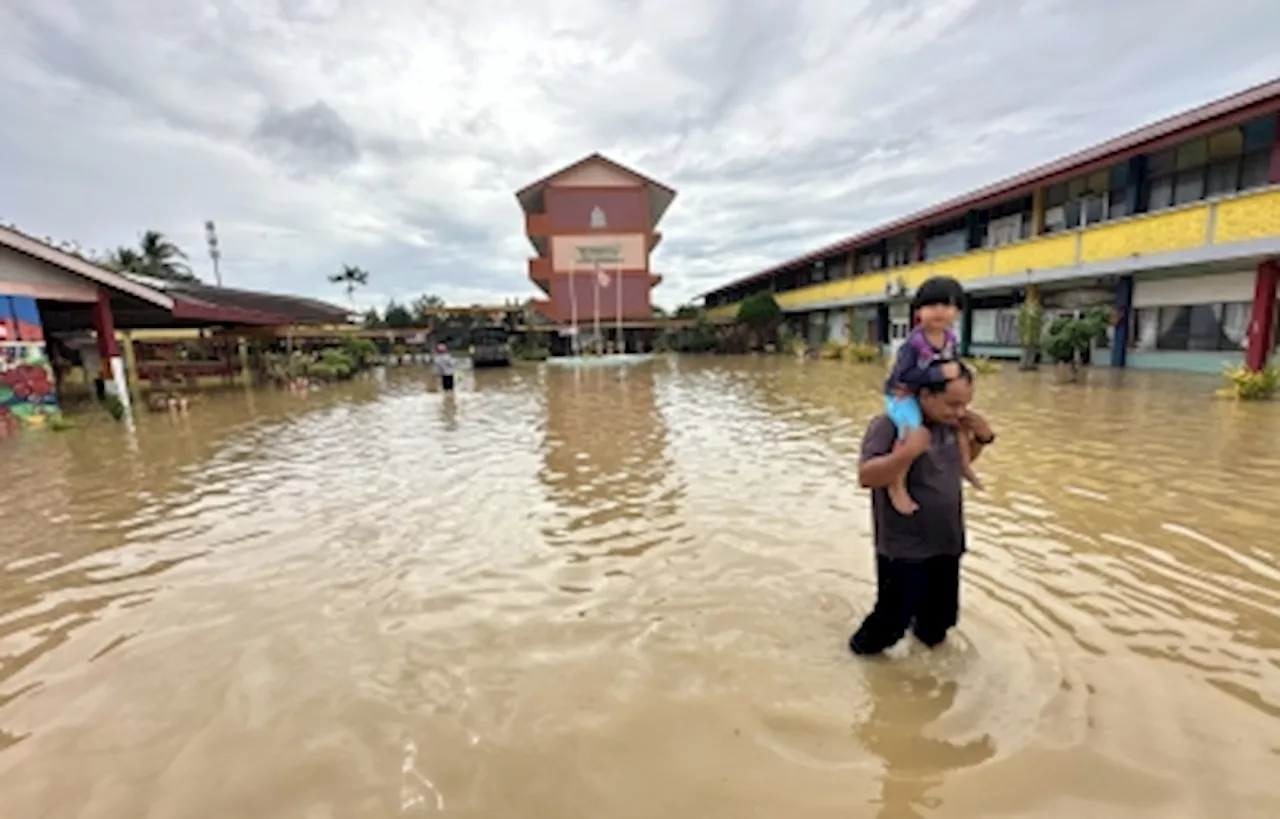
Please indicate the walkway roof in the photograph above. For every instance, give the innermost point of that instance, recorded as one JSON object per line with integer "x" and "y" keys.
{"x": 142, "y": 301}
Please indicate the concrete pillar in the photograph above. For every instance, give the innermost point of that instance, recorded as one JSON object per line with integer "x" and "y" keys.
{"x": 1262, "y": 320}
{"x": 1037, "y": 211}
{"x": 966, "y": 327}
{"x": 130, "y": 359}
{"x": 113, "y": 373}
{"x": 1123, "y": 320}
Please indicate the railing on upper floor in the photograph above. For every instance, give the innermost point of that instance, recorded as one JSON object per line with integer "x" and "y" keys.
{"x": 1227, "y": 220}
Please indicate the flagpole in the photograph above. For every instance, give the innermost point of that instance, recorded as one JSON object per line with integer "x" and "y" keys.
{"x": 597, "y": 272}
{"x": 573, "y": 308}
{"x": 617, "y": 283}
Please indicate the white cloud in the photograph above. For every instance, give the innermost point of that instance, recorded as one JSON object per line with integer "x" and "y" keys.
{"x": 393, "y": 133}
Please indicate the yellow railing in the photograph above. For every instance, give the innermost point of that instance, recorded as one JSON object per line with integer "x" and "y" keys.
{"x": 1245, "y": 217}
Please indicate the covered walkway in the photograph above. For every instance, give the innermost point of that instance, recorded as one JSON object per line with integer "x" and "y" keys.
{"x": 49, "y": 296}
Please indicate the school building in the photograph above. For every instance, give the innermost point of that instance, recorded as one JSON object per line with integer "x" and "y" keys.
{"x": 593, "y": 226}
{"x": 1174, "y": 226}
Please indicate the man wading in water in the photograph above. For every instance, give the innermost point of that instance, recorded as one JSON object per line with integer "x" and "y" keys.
{"x": 444, "y": 366}
{"x": 918, "y": 556}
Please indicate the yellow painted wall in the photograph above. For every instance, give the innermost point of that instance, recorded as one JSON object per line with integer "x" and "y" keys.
{"x": 1146, "y": 235}
{"x": 1037, "y": 254}
{"x": 1249, "y": 217}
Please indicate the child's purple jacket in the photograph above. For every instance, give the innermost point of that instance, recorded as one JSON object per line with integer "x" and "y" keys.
{"x": 918, "y": 361}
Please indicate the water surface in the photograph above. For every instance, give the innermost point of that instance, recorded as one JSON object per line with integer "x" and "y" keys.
{"x": 575, "y": 594}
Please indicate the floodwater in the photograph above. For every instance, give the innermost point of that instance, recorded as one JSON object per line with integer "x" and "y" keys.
{"x": 573, "y": 594}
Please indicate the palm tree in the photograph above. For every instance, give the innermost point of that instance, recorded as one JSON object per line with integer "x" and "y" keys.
{"x": 162, "y": 259}
{"x": 124, "y": 260}
{"x": 423, "y": 306}
{"x": 351, "y": 277}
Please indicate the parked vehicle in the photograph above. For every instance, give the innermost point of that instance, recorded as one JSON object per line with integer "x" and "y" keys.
{"x": 489, "y": 347}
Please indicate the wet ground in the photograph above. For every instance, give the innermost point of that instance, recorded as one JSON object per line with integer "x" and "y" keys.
{"x": 579, "y": 594}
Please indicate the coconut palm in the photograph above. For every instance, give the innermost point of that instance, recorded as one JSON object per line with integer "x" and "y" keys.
{"x": 124, "y": 260}
{"x": 351, "y": 277}
{"x": 162, "y": 259}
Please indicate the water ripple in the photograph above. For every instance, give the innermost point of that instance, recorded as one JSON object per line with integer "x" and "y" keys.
{"x": 582, "y": 593}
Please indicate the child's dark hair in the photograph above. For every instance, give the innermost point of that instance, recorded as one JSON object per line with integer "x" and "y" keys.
{"x": 938, "y": 290}
{"x": 940, "y": 384}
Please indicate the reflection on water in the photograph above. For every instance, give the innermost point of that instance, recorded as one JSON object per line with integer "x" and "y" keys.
{"x": 606, "y": 593}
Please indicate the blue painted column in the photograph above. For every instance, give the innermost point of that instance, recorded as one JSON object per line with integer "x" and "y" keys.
{"x": 1124, "y": 314}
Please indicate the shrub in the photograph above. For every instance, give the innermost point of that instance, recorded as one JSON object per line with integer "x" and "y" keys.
{"x": 862, "y": 353}
{"x": 362, "y": 351}
{"x": 983, "y": 366}
{"x": 1252, "y": 385}
{"x": 831, "y": 350}
{"x": 60, "y": 423}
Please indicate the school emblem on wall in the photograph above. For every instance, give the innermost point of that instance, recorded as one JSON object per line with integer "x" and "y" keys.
{"x": 597, "y": 218}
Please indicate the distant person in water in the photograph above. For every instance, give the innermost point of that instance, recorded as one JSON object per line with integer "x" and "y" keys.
{"x": 918, "y": 555}
{"x": 928, "y": 356}
{"x": 444, "y": 366}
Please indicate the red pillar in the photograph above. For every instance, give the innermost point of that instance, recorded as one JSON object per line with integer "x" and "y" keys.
{"x": 1262, "y": 320}
{"x": 104, "y": 324}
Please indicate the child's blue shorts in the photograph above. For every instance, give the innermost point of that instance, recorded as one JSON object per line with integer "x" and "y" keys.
{"x": 904, "y": 412}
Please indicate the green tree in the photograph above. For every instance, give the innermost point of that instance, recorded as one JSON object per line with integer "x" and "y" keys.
{"x": 155, "y": 256}
{"x": 1030, "y": 330}
{"x": 124, "y": 260}
{"x": 397, "y": 315}
{"x": 162, "y": 259}
{"x": 1070, "y": 339}
{"x": 423, "y": 305}
{"x": 373, "y": 319}
{"x": 350, "y": 278}
{"x": 688, "y": 311}
{"x": 760, "y": 314}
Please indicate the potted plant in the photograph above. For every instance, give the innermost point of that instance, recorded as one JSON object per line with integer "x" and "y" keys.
{"x": 1069, "y": 340}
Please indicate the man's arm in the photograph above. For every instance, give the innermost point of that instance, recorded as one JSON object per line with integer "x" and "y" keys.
{"x": 979, "y": 432}
{"x": 881, "y": 464}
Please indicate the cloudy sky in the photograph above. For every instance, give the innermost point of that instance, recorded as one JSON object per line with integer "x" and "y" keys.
{"x": 392, "y": 133}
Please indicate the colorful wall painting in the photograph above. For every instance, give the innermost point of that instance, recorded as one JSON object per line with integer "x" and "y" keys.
{"x": 27, "y": 394}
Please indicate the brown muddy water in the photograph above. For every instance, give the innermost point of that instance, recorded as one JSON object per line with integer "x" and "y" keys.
{"x": 573, "y": 594}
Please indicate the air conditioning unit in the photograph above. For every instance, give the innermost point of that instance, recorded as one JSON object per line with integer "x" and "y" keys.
{"x": 895, "y": 288}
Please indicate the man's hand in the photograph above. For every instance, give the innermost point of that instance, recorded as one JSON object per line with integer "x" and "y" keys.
{"x": 976, "y": 424}
{"x": 918, "y": 442}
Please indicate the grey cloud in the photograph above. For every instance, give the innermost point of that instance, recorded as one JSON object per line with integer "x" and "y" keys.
{"x": 307, "y": 139}
{"x": 783, "y": 125}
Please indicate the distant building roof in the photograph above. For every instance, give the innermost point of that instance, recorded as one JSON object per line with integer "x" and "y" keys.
{"x": 660, "y": 195}
{"x": 185, "y": 301}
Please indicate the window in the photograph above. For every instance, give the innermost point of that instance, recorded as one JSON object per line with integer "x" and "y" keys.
{"x": 1194, "y": 327}
{"x": 1188, "y": 186}
{"x": 901, "y": 251}
{"x": 869, "y": 261}
{"x": 1233, "y": 159}
{"x": 1005, "y": 230}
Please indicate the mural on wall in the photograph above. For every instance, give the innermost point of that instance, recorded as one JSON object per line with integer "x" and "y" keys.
{"x": 27, "y": 394}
